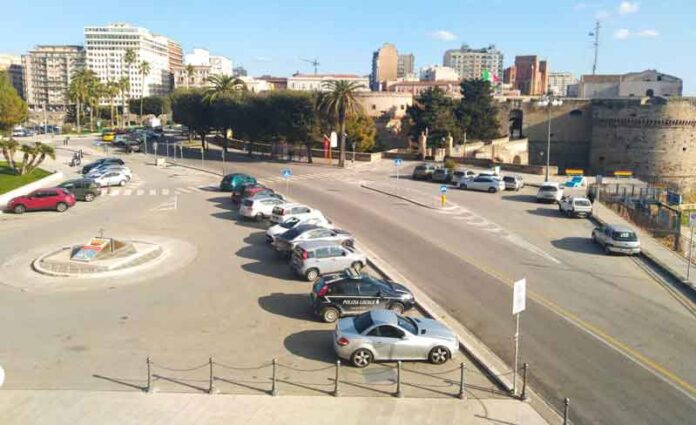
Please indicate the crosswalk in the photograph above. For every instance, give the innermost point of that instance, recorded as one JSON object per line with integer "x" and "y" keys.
{"x": 135, "y": 192}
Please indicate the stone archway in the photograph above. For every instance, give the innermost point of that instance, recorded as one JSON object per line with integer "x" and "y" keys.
{"x": 516, "y": 120}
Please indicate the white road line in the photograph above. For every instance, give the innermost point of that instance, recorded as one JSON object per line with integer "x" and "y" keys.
{"x": 115, "y": 192}
{"x": 104, "y": 191}
{"x": 153, "y": 192}
{"x": 127, "y": 192}
{"x": 182, "y": 190}
{"x": 194, "y": 188}
{"x": 140, "y": 192}
{"x": 165, "y": 192}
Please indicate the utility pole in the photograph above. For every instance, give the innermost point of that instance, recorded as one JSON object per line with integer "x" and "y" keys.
{"x": 596, "y": 46}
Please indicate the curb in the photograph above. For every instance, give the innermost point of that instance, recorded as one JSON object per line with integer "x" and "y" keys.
{"x": 408, "y": 199}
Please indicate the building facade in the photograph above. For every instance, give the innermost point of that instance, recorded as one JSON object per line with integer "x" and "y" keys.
{"x": 239, "y": 71}
{"x": 559, "y": 82}
{"x": 451, "y": 88}
{"x": 471, "y": 63}
{"x": 106, "y": 48}
{"x": 405, "y": 65}
{"x": 635, "y": 84}
{"x": 48, "y": 70}
{"x": 438, "y": 73}
{"x": 385, "y": 62}
{"x": 198, "y": 66}
{"x": 311, "y": 82}
{"x": 12, "y": 64}
{"x": 531, "y": 75}
{"x": 278, "y": 83}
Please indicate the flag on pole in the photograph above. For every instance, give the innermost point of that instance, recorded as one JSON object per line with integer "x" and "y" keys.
{"x": 486, "y": 75}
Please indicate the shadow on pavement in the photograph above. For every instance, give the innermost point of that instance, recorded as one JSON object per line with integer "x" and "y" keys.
{"x": 223, "y": 202}
{"x": 577, "y": 244}
{"x": 275, "y": 269}
{"x": 520, "y": 198}
{"x": 313, "y": 345}
{"x": 294, "y": 306}
{"x": 259, "y": 238}
{"x": 546, "y": 212}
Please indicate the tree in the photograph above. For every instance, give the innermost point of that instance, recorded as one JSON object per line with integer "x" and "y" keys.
{"x": 111, "y": 90}
{"x": 223, "y": 85}
{"x": 433, "y": 111}
{"x": 13, "y": 109}
{"x": 151, "y": 105}
{"x": 9, "y": 148}
{"x": 129, "y": 58}
{"x": 477, "y": 111}
{"x": 338, "y": 103}
{"x": 144, "y": 72}
{"x": 123, "y": 87}
{"x": 189, "y": 109}
{"x": 95, "y": 92}
{"x": 79, "y": 91}
{"x": 34, "y": 155}
{"x": 189, "y": 73}
{"x": 361, "y": 130}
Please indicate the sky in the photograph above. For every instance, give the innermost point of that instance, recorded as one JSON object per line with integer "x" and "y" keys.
{"x": 271, "y": 37}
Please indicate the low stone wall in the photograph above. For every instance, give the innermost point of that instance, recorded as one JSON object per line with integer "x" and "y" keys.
{"x": 262, "y": 147}
{"x": 48, "y": 181}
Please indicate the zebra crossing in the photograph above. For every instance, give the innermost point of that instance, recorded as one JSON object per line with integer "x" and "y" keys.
{"x": 135, "y": 192}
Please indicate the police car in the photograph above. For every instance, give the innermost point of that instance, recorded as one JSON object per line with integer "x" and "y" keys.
{"x": 349, "y": 293}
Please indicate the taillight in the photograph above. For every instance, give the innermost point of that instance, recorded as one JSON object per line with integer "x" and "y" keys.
{"x": 324, "y": 289}
{"x": 281, "y": 212}
{"x": 305, "y": 255}
{"x": 342, "y": 341}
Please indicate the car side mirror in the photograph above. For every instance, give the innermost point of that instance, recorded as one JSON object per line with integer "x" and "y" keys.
{"x": 345, "y": 253}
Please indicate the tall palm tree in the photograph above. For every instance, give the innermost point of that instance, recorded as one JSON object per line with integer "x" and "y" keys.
{"x": 129, "y": 58}
{"x": 111, "y": 90}
{"x": 95, "y": 92}
{"x": 78, "y": 92}
{"x": 189, "y": 73}
{"x": 222, "y": 85}
{"x": 144, "y": 71}
{"x": 123, "y": 87}
{"x": 338, "y": 102}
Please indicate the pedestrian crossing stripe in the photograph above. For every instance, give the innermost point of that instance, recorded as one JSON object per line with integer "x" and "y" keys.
{"x": 165, "y": 192}
{"x": 153, "y": 192}
{"x": 140, "y": 192}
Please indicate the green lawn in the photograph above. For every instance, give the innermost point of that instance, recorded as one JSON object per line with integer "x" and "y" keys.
{"x": 10, "y": 181}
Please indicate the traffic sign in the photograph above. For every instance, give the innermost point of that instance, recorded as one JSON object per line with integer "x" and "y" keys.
{"x": 443, "y": 188}
{"x": 674, "y": 198}
{"x": 286, "y": 173}
{"x": 334, "y": 139}
{"x": 519, "y": 295}
{"x": 397, "y": 161}
{"x": 692, "y": 219}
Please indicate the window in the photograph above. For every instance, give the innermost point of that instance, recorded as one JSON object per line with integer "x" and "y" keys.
{"x": 408, "y": 324}
{"x": 362, "y": 322}
{"x": 323, "y": 252}
{"x": 348, "y": 288}
{"x": 336, "y": 251}
{"x": 386, "y": 331}
{"x": 369, "y": 289}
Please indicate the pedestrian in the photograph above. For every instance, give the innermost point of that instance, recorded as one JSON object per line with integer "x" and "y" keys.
{"x": 591, "y": 196}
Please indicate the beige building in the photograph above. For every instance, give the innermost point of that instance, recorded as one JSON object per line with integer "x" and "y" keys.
{"x": 203, "y": 65}
{"x": 471, "y": 63}
{"x": 379, "y": 104}
{"x": 635, "y": 84}
{"x": 385, "y": 63}
{"x": 559, "y": 82}
{"x": 312, "y": 82}
{"x": 439, "y": 73}
{"x": 12, "y": 64}
{"x": 48, "y": 70}
{"x": 415, "y": 88}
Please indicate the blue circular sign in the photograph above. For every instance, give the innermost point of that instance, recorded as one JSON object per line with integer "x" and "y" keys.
{"x": 286, "y": 172}
{"x": 443, "y": 188}
{"x": 397, "y": 161}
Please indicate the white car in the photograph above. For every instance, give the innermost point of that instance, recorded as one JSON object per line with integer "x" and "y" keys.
{"x": 549, "y": 192}
{"x": 99, "y": 171}
{"x": 283, "y": 212}
{"x": 292, "y": 222}
{"x": 111, "y": 178}
{"x": 259, "y": 208}
{"x": 483, "y": 183}
{"x": 460, "y": 175}
{"x": 513, "y": 182}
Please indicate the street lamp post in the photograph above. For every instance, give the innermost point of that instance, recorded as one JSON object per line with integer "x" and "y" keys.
{"x": 547, "y": 101}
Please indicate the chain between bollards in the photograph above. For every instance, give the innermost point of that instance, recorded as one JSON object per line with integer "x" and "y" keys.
{"x": 398, "y": 380}
{"x": 523, "y": 396}
{"x": 338, "y": 367}
{"x": 274, "y": 389}
{"x": 461, "y": 381}
{"x": 566, "y": 407}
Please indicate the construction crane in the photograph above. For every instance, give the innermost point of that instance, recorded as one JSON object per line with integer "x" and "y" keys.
{"x": 314, "y": 63}
{"x": 595, "y": 34}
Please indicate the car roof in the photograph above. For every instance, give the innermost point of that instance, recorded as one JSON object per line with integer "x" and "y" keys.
{"x": 383, "y": 317}
{"x": 317, "y": 244}
{"x": 554, "y": 184}
{"x": 572, "y": 198}
{"x": 294, "y": 205}
{"x": 620, "y": 228}
{"x": 302, "y": 227}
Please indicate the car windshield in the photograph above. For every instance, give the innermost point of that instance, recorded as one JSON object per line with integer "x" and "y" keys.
{"x": 420, "y": 168}
{"x": 509, "y": 179}
{"x": 582, "y": 202}
{"x": 624, "y": 236}
{"x": 408, "y": 324}
{"x": 382, "y": 284}
{"x": 290, "y": 223}
{"x": 548, "y": 189}
{"x": 248, "y": 202}
{"x": 362, "y": 322}
{"x": 292, "y": 233}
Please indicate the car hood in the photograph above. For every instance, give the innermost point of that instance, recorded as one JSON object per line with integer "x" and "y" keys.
{"x": 434, "y": 329}
{"x": 400, "y": 288}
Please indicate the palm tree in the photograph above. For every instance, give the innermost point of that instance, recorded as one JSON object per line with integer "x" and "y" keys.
{"x": 129, "y": 57}
{"x": 223, "y": 85}
{"x": 8, "y": 148}
{"x": 95, "y": 92}
{"x": 79, "y": 92}
{"x": 144, "y": 71}
{"x": 33, "y": 156}
{"x": 123, "y": 87}
{"x": 189, "y": 73}
{"x": 111, "y": 90}
{"x": 338, "y": 103}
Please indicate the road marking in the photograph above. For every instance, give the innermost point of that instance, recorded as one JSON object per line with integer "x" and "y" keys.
{"x": 127, "y": 192}
{"x": 165, "y": 192}
{"x": 153, "y": 192}
{"x": 115, "y": 192}
{"x": 104, "y": 191}
{"x": 140, "y": 192}
{"x": 194, "y": 188}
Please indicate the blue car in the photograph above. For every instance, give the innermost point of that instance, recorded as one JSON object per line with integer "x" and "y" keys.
{"x": 576, "y": 181}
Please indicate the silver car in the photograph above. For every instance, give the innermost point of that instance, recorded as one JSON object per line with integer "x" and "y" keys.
{"x": 287, "y": 241}
{"x": 617, "y": 239}
{"x": 383, "y": 335}
{"x": 314, "y": 258}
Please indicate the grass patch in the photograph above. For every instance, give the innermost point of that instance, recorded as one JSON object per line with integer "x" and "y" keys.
{"x": 9, "y": 180}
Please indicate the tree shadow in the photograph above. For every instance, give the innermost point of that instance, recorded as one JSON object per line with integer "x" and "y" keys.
{"x": 546, "y": 212}
{"x": 223, "y": 202}
{"x": 312, "y": 345}
{"x": 520, "y": 198}
{"x": 578, "y": 244}
{"x": 294, "y": 306}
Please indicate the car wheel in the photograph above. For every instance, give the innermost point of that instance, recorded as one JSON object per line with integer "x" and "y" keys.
{"x": 361, "y": 358}
{"x": 258, "y": 217}
{"x": 329, "y": 314}
{"x": 89, "y": 197}
{"x": 397, "y": 308}
{"x": 122, "y": 183}
{"x": 492, "y": 190}
{"x": 607, "y": 250}
{"x": 19, "y": 209}
{"x": 357, "y": 266}
{"x": 61, "y": 207}
{"x": 312, "y": 275}
{"x": 463, "y": 187}
{"x": 439, "y": 355}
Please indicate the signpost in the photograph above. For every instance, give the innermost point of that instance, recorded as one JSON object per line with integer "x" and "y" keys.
{"x": 692, "y": 223}
{"x": 519, "y": 303}
{"x": 443, "y": 194}
{"x": 286, "y": 175}
{"x": 397, "y": 164}
{"x": 154, "y": 148}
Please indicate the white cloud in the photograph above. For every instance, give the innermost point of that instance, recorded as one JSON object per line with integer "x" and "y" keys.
{"x": 602, "y": 15}
{"x": 627, "y": 7}
{"x": 442, "y": 35}
{"x": 623, "y": 34}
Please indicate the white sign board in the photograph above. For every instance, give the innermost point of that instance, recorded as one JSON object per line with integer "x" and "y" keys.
{"x": 519, "y": 295}
{"x": 2, "y": 376}
{"x": 692, "y": 219}
{"x": 334, "y": 139}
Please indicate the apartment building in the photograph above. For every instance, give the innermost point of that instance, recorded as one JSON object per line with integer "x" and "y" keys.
{"x": 472, "y": 63}
{"x": 48, "y": 70}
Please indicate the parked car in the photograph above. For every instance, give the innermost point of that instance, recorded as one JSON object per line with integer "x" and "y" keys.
{"x": 442, "y": 175}
{"x": 383, "y": 335}
{"x": 349, "y": 293}
{"x": 286, "y": 242}
{"x": 246, "y": 190}
{"x": 111, "y": 178}
{"x": 102, "y": 161}
{"x": 54, "y": 198}
{"x": 616, "y": 239}
{"x": 131, "y": 145}
{"x": 291, "y": 222}
{"x": 549, "y": 192}
{"x": 108, "y": 136}
{"x": 267, "y": 193}
{"x": 18, "y": 132}
{"x": 513, "y": 182}
{"x": 483, "y": 183}
{"x": 576, "y": 181}
{"x": 231, "y": 181}
{"x": 258, "y": 208}
{"x": 423, "y": 172}
{"x": 282, "y": 212}
{"x": 461, "y": 175}
{"x": 575, "y": 206}
{"x": 83, "y": 189}
{"x": 315, "y": 258}
{"x": 100, "y": 171}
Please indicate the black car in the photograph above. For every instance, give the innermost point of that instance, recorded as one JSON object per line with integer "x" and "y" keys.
{"x": 87, "y": 168}
{"x": 349, "y": 293}
{"x": 83, "y": 189}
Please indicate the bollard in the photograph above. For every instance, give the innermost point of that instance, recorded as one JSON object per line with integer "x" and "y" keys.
{"x": 566, "y": 402}
{"x": 211, "y": 388}
{"x": 398, "y": 380}
{"x": 338, "y": 367}
{"x": 461, "y": 381}
{"x": 149, "y": 388}
{"x": 523, "y": 396}
{"x": 274, "y": 390}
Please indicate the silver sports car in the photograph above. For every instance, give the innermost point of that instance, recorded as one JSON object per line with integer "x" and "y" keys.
{"x": 385, "y": 335}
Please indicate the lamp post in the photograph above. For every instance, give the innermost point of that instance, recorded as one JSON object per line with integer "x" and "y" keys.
{"x": 547, "y": 101}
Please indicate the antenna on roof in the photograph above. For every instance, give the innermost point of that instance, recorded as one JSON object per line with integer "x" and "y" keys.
{"x": 595, "y": 34}
{"x": 314, "y": 62}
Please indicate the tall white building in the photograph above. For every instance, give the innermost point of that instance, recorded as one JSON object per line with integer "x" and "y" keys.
{"x": 203, "y": 65}
{"x": 559, "y": 82}
{"x": 438, "y": 73}
{"x": 106, "y": 47}
{"x": 471, "y": 63}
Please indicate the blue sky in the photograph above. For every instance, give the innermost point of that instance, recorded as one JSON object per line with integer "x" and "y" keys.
{"x": 270, "y": 37}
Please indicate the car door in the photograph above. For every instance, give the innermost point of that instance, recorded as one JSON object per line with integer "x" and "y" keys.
{"x": 49, "y": 199}
{"x": 345, "y": 295}
{"x": 36, "y": 200}
{"x": 341, "y": 259}
{"x": 371, "y": 294}
{"x": 387, "y": 342}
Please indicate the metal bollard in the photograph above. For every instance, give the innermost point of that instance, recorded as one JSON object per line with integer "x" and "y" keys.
{"x": 338, "y": 367}
{"x": 211, "y": 388}
{"x": 274, "y": 389}
{"x": 398, "y": 380}
{"x": 149, "y": 388}
{"x": 461, "y": 381}
{"x": 566, "y": 403}
{"x": 523, "y": 396}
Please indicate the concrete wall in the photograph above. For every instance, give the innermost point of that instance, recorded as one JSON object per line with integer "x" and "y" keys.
{"x": 378, "y": 104}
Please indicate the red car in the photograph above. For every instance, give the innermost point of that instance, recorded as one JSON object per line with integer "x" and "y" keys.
{"x": 247, "y": 190}
{"x": 54, "y": 198}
